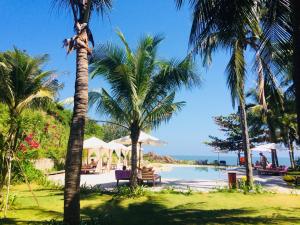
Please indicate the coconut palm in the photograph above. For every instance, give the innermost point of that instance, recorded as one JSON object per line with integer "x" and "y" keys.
{"x": 82, "y": 11}
{"x": 280, "y": 21}
{"x": 23, "y": 84}
{"x": 281, "y": 24}
{"x": 230, "y": 25}
{"x": 280, "y": 116}
{"x": 142, "y": 87}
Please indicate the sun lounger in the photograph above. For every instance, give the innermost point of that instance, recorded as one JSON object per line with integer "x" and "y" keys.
{"x": 88, "y": 169}
{"x": 149, "y": 175}
{"x": 280, "y": 171}
{"x": 222, "y": 163}
{"x": 122, "y": 175}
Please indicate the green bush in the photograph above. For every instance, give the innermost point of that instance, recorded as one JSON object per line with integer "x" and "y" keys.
{"x": 289, "y": 178}
{"x": 127, "y": 192}
{"x": 172, "y": 190}
{"x": 32, "y": 174}
{"x": 244, "y": 188}
{"x": 11, "y": 201}
{"x": 294, "y": 173}
{"x": 90, "y": 189}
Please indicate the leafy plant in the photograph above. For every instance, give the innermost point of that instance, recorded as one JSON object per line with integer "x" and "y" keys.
{"x": 128, "y": 192}
{"x": 289, "y": 178}
{"x": 90, "y": 189}
{"x": 11, "y": 201}
{"x": 244, "y": 188}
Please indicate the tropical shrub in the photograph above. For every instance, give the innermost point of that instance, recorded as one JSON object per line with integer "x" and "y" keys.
{"x": 90, "y": 189}
{"x": 128, "y": 192}
{"x": 289, "y": 178}
{"x": 11, "y": 202}
{"x": 93, "y": 129}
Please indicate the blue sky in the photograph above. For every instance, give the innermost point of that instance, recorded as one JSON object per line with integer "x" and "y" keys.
{"x": 36, "y": 27}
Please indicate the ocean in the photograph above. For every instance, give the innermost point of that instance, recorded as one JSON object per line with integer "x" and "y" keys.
{"x": 230, "y": 159}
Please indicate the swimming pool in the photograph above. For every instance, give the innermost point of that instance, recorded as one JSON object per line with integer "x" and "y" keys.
{"x": 195, "y": 173}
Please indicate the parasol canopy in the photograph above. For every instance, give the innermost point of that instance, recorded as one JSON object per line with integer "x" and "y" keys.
{"x": 144, "y": 139}
{"x": 95, "y": 143}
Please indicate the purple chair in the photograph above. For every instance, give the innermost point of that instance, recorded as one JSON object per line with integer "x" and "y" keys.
{"x": 122, "y": 175}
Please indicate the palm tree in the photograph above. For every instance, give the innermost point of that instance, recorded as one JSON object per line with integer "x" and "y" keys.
{"x": 280, "y": 22}
{"x": 281, "y": 28}
{"x": 142, "y": 87}
{"x": 22, "y": 84}
{"x": 229, "y": 25}
{"x": 280, "y": 116}
{"x": 81, "y": 11}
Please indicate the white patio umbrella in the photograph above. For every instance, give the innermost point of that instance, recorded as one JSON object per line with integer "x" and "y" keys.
{"x": 144, "y": 139}
{"x": 117, "y": 147}
{"x": 272, "y": 148}
{"x": 114, "y": 145}
{"x": 268, "y": 147}
{"x": 218, "y": 151}
{"x": 94, "y": 143}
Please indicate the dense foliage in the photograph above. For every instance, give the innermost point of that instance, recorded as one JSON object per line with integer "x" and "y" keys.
{"x": 143, "y": 87}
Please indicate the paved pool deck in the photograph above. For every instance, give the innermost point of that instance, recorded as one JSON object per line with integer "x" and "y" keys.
{"x": 107, "y": 180}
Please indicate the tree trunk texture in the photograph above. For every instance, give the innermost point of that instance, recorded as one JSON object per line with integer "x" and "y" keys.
{"x": 135, "y": 133}
{"x": 75, "y": 144}
{"x": 8, "y": 187}
{"x": 291, "y": 153}
{"x": 246, "y": 143}
{"x": 296, "y": 54}
{"x": 239, "y": 158}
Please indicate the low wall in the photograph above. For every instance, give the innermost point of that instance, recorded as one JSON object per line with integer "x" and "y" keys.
{"x": 44, "y": 164}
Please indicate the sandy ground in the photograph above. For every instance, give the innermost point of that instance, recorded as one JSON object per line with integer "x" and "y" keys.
{"x": 107, "y": 180}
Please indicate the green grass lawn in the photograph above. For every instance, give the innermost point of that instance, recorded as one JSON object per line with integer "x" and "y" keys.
{"x": 162, "y": 208}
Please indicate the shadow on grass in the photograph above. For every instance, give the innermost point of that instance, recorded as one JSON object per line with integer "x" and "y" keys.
{"x": 151, "y": 212}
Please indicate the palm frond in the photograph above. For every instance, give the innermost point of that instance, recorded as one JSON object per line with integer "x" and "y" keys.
{"x": 142, "y": 86}
{"x": 77, "y": 6}
{"x": 24, "y": 81}
{"x": 107, "y": 105}
{"x": 162, "y": 112}
{"x": 236, "y": 72}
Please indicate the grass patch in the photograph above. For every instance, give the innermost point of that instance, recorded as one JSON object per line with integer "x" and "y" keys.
{"x": 161, "y": 208}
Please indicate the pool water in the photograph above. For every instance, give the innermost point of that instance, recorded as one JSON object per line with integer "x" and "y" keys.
{"x": 195, "y": 173}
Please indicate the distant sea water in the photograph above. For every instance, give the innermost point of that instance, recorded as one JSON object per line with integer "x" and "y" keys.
{"x": 230, "y": 159}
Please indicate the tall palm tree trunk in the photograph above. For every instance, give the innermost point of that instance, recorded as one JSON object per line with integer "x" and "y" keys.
{"x": 296, "y": 54}
{"x": 75, "y": 144}
{"x": 8, "y": 186}
{"x": 135, "y": 133}
{"x": 246, "y": 142}
{"x": 291, "y": 152}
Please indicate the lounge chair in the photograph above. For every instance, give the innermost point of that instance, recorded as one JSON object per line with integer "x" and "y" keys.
{"x": 90, "y": 168}
{"x": 279, "y": 171}
{"x": 122, "y": 175}
{"x": 149, "y": 175}
{"x": 222, "y": 163}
